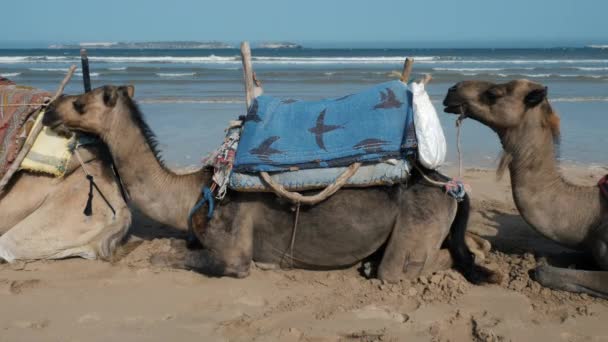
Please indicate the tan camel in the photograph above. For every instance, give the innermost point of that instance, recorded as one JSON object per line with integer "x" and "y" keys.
{"x": 42, "y": 216}
{"x": 412, "y": 220}
{"x": 574, "y": 216}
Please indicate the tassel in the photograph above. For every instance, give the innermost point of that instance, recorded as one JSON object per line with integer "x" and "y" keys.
{"x": 88, "y": 210}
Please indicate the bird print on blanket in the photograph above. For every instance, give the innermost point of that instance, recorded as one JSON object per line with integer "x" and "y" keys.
{"x": 252, "y": 113}
{"x": 265, "y": 151}
{"x": 388, "y": 100}
{"x": 369, "y": 126}
{"x": 321, "y": 128}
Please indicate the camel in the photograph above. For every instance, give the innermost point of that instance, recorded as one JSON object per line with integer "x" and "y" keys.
{"x": 42, "y": 216}
{"x": 574, "y": 216}
{"x": 411, "y": 220}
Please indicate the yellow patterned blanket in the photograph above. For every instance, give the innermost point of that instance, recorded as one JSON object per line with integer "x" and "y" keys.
{"x": 50, "y": 153}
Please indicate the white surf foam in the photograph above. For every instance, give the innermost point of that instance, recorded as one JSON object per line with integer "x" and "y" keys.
{"x": 11, "y": 74}
{"x": 580, "y": 99}
{"x": 190, "y": 101}
{"x": 175, "y": 74}
{"x": 92, "y": 74}
{"x": 50, "y": 69}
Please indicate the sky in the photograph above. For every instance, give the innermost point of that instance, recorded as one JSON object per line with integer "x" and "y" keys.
{"x": 423, "y": 23}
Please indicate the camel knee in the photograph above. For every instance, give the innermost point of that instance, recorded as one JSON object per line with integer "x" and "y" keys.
{"x": 113, "y": 233}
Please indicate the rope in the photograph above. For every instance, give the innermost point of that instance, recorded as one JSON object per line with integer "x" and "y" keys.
{"x": 458, "y": 145}
{"x": 206, "y": 198}
{"x": 454, "y": 188}
{"x": 293, "y": 233}
{"x": 88, "y": 209}
{"x": 297, "y": 198}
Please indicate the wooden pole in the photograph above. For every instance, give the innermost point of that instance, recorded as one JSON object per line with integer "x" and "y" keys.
{"x": 407, "y": 70}
{"x": 247, "y": 73}
{"x": 27, "y": 146}
{"x": 86, "y": 75}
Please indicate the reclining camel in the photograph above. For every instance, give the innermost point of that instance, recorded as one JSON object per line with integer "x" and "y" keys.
{"x": 42, "y": 216}
{"x": 411, "y": 220}
{"x": 574, "y": 216}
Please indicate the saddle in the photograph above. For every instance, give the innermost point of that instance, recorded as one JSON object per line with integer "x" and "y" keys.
{"x": 301, "y": 147}
{"x": 50, "y": 153}
{"x": 369, "y": 127}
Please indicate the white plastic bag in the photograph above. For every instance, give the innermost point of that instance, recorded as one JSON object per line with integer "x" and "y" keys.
{"x": 431, "y": 140}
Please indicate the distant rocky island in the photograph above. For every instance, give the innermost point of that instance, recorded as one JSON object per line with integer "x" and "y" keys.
{"x": 145, "y": 45}
{"x": 279, "y": 45}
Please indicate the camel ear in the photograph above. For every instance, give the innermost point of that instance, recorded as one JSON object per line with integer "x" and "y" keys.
{"x": 128, "y": 90}
{"x": 535, "y": 97}
{"x": 109, "y": 96}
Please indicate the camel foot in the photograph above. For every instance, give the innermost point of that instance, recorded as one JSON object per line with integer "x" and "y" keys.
{"x": 593, "y": 283}
{"x": 266, "y": 266}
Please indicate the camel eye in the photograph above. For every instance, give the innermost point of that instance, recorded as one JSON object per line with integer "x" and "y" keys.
{"x": 491, "y": 95}
{"x": 78, "y": 106}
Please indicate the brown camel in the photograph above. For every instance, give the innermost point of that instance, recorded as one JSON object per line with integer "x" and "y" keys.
{"x": 574, "y": 216}
{"x": 411, "y": 220}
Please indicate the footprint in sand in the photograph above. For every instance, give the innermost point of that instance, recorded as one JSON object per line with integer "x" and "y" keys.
{"x": 32, "y": 324}
{"x": 15, "y": 287}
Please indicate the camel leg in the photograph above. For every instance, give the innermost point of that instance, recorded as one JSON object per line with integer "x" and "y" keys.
{"x": 227, "y": 247}
{"x": 594, "y": 283}
{"x": 25, "y": 194}
{"x": 58, "y": 228}
{"x": 420, "y": 229}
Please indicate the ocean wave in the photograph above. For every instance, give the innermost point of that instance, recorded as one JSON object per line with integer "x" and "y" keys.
{"x": 339, "y": 60}
{"x": 10, "y": 74}
{"x": 50, "y": 69}
{"x": 474, "y": 69}
{"x": 167, "y": 59}
{"x": 580, "y": 99}
{"x": 591, "y": 68}
{"x": 117, "y": 69}
{"x": 175, "y": 74}
{"x": 92, "y": 74}
{"x": 213, "y": 59}
{"x": 169, "y": 100}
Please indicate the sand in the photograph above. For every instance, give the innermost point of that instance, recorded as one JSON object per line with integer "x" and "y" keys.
{"x": 132, "y": 300}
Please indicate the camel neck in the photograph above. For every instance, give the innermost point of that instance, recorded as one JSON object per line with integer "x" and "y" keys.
{"x": 555, "y": 208}
{"x": 157, "y": 191}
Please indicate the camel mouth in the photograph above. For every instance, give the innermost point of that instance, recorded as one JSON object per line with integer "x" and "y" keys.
{"x": 454, "y": 109}
{"x": 51, "y": 122}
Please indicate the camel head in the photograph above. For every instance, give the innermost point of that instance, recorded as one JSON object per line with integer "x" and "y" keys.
{"x": 503, "y": 107}
{"x": 91, "y": 112}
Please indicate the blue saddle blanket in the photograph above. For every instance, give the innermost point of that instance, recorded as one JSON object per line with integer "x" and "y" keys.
{"x": 370, "y": 126}
{"x": 379, "y": 174}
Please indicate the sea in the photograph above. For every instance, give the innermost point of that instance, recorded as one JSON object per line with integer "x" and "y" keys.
{"x": 189, "y": 96}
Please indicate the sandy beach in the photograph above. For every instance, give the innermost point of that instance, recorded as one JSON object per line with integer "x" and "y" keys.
{"x": 131, "y": 300}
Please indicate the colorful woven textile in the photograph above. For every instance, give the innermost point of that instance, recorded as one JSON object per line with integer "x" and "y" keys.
{"x": 16, "y": 120}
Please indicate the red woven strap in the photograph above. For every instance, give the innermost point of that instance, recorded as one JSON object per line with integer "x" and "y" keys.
{"x": 603, "y": 185}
